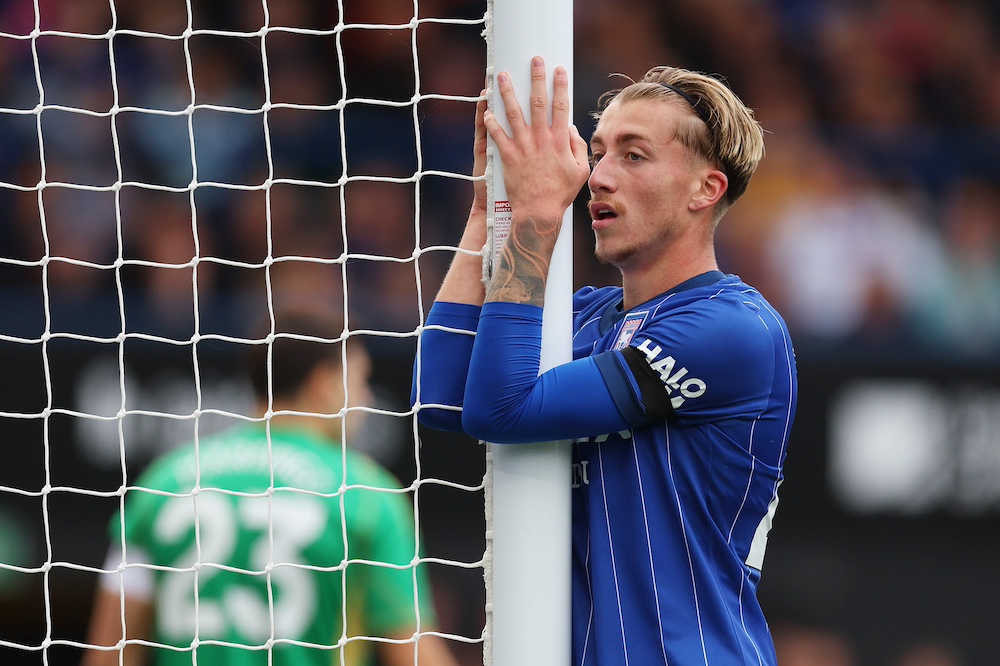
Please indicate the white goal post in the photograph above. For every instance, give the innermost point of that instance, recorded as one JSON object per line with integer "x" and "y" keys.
{"x": 528, "y": 486}
{"x": 135, "y": 137}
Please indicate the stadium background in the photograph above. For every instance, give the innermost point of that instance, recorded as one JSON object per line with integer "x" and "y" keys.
{"x": 873, "y": 225}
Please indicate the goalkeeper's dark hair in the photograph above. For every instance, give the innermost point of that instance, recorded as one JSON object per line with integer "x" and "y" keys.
{"x": 283, "y": 357}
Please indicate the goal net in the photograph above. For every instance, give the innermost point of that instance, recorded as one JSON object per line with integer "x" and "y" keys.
{"x": 170, "y": 172}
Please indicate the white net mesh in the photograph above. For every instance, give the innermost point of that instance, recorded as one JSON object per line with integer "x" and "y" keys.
{"x": 170, "y": 172}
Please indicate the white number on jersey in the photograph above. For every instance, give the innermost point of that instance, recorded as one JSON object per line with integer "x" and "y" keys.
{"x": 282, "y": 529}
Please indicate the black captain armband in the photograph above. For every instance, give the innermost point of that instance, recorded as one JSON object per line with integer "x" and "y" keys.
{"x": 654, "y": 394}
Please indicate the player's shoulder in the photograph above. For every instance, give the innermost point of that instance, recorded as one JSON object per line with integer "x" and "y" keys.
{"x": 590, "y": 303}
{"x": 595, "y": 297}
{"x": 726, "y": 301}
{"x": 727, "y": 319}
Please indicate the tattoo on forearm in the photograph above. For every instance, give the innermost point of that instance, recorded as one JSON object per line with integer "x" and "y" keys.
{"x": 520, "y": 273}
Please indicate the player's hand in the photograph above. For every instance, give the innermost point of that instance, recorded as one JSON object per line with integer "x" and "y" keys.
{"x": 545, "y": 165}
{"x": 479, "y": 201}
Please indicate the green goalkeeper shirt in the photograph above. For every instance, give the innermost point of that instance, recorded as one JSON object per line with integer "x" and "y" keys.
{"x": 252, "y": 541}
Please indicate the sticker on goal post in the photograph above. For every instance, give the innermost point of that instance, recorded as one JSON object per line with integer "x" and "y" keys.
{"x": 501, "y": 227}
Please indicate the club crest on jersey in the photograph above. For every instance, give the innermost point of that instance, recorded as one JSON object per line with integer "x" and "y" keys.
{"x": 679, "y": 385}
{"x": 630, "y": 326}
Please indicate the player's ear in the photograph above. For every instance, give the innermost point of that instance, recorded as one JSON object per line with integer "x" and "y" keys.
{"x": 713, "y": 187}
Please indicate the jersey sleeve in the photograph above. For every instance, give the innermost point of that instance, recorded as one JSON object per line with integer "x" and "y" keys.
{"x": 714, "y": 358}
{"x": 136, "y": 581}
{"x": 507, "y": 401}
{"x": 709, "y": 360}
{"x": 442, "y": 365}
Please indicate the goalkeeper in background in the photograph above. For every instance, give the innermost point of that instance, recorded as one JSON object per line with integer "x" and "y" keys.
{"x": 683, "y": 389}
{"x": 268, "y": 565}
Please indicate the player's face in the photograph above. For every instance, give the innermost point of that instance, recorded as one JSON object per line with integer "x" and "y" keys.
{"x": 641, "y": 183}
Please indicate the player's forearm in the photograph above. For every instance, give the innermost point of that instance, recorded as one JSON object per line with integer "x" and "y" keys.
{"x": 523, "y": 265}
{"x": 106, "y": 630}
{"x": 507, "y": 401}
{"x": 464, "y": 281}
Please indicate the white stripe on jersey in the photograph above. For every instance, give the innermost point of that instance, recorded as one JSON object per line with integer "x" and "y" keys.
{"x": 687, "y": 545}
{"x": 743, "y": 621}
{"x": 649, "y": 544}
{"x": 590, "y": 591}
{"x": 611, "y": 550}
{"x": 790, "y": 364}
{"x": 746, "y": 493}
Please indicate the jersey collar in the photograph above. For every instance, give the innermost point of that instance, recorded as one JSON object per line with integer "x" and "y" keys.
{"x": 613, "y": 313}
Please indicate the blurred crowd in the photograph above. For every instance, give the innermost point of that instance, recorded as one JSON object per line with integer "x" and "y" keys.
{"x": 874, "y": 221}
{"x": 205, "y": 172}
{"x": 189, "y": 178}
{"x": 177, "y": 174}
{"x": 807, "y": 645}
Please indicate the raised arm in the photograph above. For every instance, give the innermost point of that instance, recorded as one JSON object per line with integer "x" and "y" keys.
{"x": 443, "y": 362}
{"x": 545, "y": 165}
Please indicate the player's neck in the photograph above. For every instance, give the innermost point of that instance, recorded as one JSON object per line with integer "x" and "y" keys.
{"x": 642, "y": 284}
{"x": 319, "y": 425}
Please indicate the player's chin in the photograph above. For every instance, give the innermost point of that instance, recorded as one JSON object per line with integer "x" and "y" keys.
{"x": 609, "y": 253}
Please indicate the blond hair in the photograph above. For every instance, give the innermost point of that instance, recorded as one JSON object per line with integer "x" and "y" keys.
{"x": 721, "y": 128}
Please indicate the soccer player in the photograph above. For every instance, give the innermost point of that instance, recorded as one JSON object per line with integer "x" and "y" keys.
{"x": 683, "y": 386}
{"x": 260, "y": 521}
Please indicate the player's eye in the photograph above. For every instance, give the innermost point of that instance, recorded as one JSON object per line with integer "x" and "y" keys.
{"x": 595, "y": 158}
{"x": 632, "y": 157}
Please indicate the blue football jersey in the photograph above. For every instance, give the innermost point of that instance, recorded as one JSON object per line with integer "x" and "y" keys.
{"x": 682, "y": 407}
{"x": 670, "y": 519}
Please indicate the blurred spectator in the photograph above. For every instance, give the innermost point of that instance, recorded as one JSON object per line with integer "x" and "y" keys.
{"x": 928, "y": 654}
{"x": 848, "y": 256}
{"x": 165, "y": 285}
{"x": 381, "y": 222}
{"x": 798, "y": 645}
{"x": 960, "y": 309}
{"x": 867, "y": 104}
{"x": 622, "y": 38}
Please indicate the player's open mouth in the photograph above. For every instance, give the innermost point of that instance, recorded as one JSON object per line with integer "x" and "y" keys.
{"x": 602, "y": 214}
{"x": 602, "y": 211}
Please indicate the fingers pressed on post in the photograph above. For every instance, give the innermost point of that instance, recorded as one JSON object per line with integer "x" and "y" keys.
{"x": 515, "y": 118}
{"x": 481, "y": 110}
{"x": 560, "y": 98}
{"x": 539, "y": 101}
{"x": 492, "y": 126}
{"x": 479, "y": 153}
{"x": 544, "y": 165}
